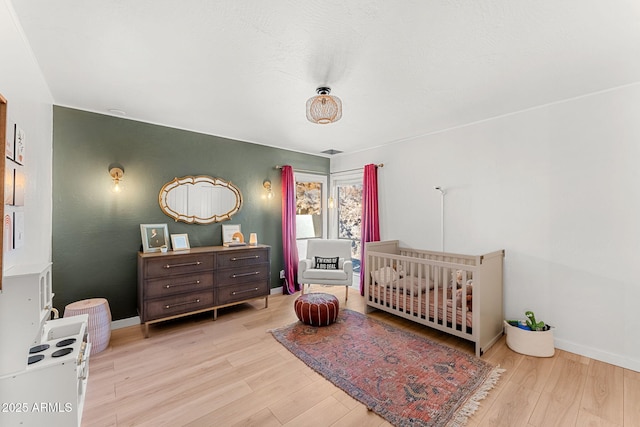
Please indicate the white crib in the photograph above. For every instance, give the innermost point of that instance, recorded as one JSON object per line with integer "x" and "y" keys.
{"x": 434, "y": 288}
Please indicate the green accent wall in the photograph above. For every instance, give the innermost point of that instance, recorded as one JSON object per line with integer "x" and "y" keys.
{"x": 96, "y": 233}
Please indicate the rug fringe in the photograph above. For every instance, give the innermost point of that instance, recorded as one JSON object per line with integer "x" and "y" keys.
{"x": 472, "y": 405}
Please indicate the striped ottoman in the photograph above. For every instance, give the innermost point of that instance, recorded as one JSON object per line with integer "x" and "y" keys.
{"x": 317, "y": 309}
{"x": 99, "y": 325}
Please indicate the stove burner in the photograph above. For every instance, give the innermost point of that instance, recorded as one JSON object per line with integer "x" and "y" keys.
{"x": 34, "y": 359}
{"x": 38, "y": 348}
{"x": 66, "y": 342}
{"x": 62, "y": 352}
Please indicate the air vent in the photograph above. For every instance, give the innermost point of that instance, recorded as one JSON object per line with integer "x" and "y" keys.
{"x": 331, "y": 152}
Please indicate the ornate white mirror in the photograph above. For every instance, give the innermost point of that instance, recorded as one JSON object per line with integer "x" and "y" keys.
{"x": 200, "y": 199}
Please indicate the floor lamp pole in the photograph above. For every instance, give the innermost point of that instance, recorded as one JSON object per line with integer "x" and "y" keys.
{"x": 442, "y": 193}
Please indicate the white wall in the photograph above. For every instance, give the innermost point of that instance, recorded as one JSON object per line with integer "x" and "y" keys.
{"x": 558, "y": 187}
{"x": 29, "y": 105}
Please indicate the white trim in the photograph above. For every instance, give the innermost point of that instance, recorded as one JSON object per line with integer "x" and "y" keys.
{"x": 125, "y": 323}
{"x": 594, "y": 353}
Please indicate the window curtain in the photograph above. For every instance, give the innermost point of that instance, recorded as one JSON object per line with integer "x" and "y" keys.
{"x": 370, "y": 222}
{"x": 289, "y": 248}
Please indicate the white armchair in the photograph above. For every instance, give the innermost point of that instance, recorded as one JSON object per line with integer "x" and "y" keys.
{"x": 340, "y": 276}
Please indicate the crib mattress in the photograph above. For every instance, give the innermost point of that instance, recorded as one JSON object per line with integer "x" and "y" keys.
{"x": 414, "y": 304}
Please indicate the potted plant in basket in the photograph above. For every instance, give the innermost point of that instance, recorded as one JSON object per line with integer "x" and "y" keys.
{"x": 530, "y": 337}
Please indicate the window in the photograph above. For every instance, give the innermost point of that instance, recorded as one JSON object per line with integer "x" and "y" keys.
{"x": 310, "y": 208}
{"x": 348, "y": 216}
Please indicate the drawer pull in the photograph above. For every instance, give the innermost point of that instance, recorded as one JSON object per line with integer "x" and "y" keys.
{"x": 241, "y": 258}
{"x": 244, "y": 292}
{"x": 197, "y": 282}
{"x": 186, "y": 264}
{"x": 253, "y": 273}
{"x": 182, "y": 303}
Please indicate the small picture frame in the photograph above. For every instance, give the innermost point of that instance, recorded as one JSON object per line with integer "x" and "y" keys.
{"x": 228, "y": 230}
{"x": 10, "y": 140}
{"x": 9, "y": 188}
{"x": 180, "y": 242}
{"x": 19, "y": 146}
{"x": 154, "y": 237}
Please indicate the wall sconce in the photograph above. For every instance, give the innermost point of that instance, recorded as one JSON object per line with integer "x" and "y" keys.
{"x": 116, "y": 173}
{"x": 331, "y": 202}
{"x": 267, "y": 185}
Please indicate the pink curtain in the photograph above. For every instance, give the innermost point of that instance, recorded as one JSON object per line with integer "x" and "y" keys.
{"x": 370, "y": 222}
{"x": 289, "y": 248}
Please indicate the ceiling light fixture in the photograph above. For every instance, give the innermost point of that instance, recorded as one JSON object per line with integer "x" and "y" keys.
{"x": 324, "y": 108}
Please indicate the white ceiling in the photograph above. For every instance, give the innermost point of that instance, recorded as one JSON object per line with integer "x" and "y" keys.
{"x": 244, "y": 69}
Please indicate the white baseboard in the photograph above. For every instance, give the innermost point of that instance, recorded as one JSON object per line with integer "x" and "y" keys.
{"x": 276, "y": 291}
{"x": 594, "y": 353}
{"x": 124, "y": 323}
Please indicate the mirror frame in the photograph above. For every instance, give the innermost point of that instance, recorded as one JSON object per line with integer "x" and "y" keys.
{"x": 192, "y": 180}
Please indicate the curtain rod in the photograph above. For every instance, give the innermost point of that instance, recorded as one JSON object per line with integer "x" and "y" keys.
{"x": 380, "y": 165}
{"x": 303, "y": 170}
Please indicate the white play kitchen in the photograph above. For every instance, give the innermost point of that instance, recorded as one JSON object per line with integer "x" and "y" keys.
{"x": 44, "y": 364}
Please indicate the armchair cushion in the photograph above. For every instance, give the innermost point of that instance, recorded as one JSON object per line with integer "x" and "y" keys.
{"x": 318, "y": 274}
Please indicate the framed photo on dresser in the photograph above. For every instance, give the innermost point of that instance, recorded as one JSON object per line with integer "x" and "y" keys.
{"x": 154, "y": 237}
{"x": 180, "y": 242}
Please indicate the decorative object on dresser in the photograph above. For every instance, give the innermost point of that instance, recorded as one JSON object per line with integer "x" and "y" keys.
{"x": 232, "y": 235}
{"x": 453, "y": 293}
{"x": 154, "y": 237}
{"x": 197, "y": 280}
{"x": 404, "y": 377}
{"x": 180, "y": 241}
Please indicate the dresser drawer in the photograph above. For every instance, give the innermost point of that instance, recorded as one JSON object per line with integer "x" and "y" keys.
{"x": 179, "y": 264}
{"x": 239, "y": 258}
{"x": 167, "y": 286}
{"x": 234, "y": 276}
{"x": 245, "y": 291}
{"x": 178, "y": 304}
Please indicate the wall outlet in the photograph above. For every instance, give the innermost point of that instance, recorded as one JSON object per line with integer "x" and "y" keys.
{"x": 282, "y": 274}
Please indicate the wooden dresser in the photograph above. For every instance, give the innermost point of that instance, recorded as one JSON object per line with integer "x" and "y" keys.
{"x": 181, "y": 283}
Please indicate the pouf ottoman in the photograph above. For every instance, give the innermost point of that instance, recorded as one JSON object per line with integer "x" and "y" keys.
{"x": 317, "y": 309}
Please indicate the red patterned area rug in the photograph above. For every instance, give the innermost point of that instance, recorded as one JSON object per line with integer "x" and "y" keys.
{"x": 405, "y": 378}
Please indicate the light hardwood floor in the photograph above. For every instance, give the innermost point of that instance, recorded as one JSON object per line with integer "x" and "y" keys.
{"x": 232, "y": 372}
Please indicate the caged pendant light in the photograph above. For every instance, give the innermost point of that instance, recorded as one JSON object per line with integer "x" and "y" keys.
{"x": 324, "y": 108}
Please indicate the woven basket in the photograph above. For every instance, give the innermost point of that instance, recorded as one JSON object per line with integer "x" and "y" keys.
{"x": 531, "y": 343}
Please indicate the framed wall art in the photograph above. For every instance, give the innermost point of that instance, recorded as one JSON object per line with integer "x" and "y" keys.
{"x": 180, "y": 242}
{"x": 228, "y": 230}
{"x": 18, "y": 229}
{"x": 19, "y": 183}
{"x": 154, "y": 237}
{"x": 9, "y": 175}
{"x": 20, "y": 146}
{"x": 10, "y": 140}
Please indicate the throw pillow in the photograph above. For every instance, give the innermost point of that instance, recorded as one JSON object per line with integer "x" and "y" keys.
{"x": 384, "y": 276}
{"x": 326, "y": 263}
